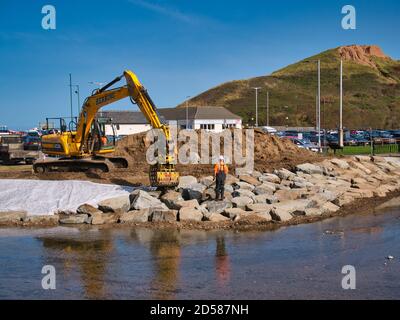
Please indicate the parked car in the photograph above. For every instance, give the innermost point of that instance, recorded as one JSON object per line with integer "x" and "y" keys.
{"x": 269, "y": 130}
{"x": 31, "y": 142}
{"x": 305, "y": 144}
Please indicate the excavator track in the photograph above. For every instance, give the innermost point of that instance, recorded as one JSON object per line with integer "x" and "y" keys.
{"x": 96, "y": 164}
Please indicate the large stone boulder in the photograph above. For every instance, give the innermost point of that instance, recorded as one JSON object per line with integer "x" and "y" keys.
{"x": 257, "y": 216}
{"x": 229, "y": 188}
{"x": 207, "y": 181}
{"x": 269, "y": 177}
{"x": 343, "y": 200}
{"x": 363, "y": 158}
{"x": 259, "y": 207}
{"x": 188, "y": 204}
{"x": 329, "y": 207}
{"x": 135, "y": 216}
{"x": 87, "y": 209}
{"x": 217, "y": 206}
{"x": 104, "y": 218}
{"x": 241, "y": 202}
{"x": 309, "y": 168}
{"x": 231, "y": 213}
{"x": 74, "y": 219}
{"x": 140, "y": 199}
{"x": 190, "y": 214}
{"x": 216, "y": 217}
{"x": 194, "y": 193}
{"x": 41, "y": 219}
{"x": 186, "y": 182}
{"x": 264, "y": 189}
{"x": 243, "y": 185}
{"x": 249, "y": 179}
{"x": 280, "y": 214}
{"x": 12, "y": 216}
{"x": 342, "y": 164}
{"x": 295, "y": 206}
{"x": 170, "y": 198}
{"x": 120, "y": 203}
{"x": 284, "y": 195}
{"x": 313, "y": 212}
{"x": 284, "y": 174}
{"x": 189, "y": 194}
{"x": 164, "y": 216}
{"x": 243, "y": 193}
{"x": 265, "y": 198}
{"x": 230, "y": 179}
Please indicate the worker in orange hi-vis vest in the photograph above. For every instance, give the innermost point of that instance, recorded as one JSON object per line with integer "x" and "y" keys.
{"x": 220, "y": 172}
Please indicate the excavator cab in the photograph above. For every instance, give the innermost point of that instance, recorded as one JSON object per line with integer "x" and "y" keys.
{"x": 100, "y": 140}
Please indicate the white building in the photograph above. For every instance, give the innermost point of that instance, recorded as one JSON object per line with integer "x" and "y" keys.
{"x": 124, "y": 122}
{"x": 210, "y": 118}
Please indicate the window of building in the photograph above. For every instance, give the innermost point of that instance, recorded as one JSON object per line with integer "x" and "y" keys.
{"x": 207, "y": 126}
{"x": 228, "y": 126}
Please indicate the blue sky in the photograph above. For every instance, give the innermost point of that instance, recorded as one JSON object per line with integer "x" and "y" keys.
{"x": 178, "y": 48}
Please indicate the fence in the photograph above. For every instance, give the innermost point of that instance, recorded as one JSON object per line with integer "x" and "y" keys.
{"x": 366, "y": 150}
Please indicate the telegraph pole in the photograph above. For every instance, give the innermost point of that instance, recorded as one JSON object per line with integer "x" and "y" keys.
{"x": 256, "y": 88}
{"x": 319, "y": 104}
{"x": 341, "y": 106}
{"x": 267, "y": 108}
{"x": 70, "y": 94}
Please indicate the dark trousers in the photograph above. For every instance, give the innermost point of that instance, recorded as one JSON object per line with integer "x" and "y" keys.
{"x": 219, "y": 185}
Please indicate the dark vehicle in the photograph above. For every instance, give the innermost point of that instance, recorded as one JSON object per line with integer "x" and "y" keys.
{"x": 32, "y": 142}
{"x": 360, "y": 140}
{"x": 290, "y": 134}
{"x": 395, "y": 133}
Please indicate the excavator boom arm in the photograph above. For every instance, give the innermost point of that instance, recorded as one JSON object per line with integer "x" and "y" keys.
{"x": 102, "y": 97}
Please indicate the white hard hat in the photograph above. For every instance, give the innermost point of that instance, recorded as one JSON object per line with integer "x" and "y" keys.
{"x": 221, "y": 158}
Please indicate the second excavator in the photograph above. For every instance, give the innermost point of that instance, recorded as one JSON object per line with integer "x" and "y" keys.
{"x": 86, "y": 147}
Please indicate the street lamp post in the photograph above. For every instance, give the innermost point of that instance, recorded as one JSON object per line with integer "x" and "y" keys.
{"x": 70, "y": 94}
{"x": 319, "y": 104}
{"x": 256, "y": 88}
{"x": 79, "y": 99}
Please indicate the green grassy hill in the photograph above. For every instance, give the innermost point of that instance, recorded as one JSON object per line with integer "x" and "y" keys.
{"x": 371, "y": 91}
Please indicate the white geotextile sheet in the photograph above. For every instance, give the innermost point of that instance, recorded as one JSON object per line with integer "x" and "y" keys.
{"x": 48, "y": 197}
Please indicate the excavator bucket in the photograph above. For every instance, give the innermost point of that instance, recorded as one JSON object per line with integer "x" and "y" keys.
{"x": 164, "y": 176}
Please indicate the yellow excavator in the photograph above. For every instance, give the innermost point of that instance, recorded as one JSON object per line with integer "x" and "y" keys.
{"x": 86, "y": 147}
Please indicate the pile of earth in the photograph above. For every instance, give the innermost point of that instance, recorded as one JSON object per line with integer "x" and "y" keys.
{"x": 270, "y": 152}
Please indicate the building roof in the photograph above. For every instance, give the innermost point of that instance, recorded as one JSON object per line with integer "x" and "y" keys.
{"x": 137, "y": 117}
{"x": 208, "y": 112}
{"x": 123, "y": 117}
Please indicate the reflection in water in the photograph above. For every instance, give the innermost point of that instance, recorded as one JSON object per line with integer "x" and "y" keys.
{"x": 91, "y": 255}
{"x": 303, "y": 261}
{"x": 222, "y": 263}
{"x": 165, "y": 248}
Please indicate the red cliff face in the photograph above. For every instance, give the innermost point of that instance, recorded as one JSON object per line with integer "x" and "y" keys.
{"x": 362, "y": 54}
